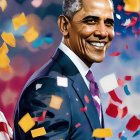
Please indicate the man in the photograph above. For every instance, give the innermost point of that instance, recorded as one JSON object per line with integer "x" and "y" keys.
{"x": 88, "y": 29}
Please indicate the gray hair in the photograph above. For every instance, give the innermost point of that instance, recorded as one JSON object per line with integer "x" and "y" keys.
{"x": 70, "y": 7}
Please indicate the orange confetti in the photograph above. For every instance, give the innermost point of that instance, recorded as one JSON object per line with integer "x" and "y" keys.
{"x": 56, "y": 102}
{"x": 31, "y": 35}
{"x": 9, "y": 39}
{"x": 38, "y": 132}
{"x": 19, "y": 21}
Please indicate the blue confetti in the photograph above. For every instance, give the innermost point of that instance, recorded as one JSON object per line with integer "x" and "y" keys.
{"x": 137, "y": 133}
{"x": 123, "y": 138}
{"x": 126, "y": 90}
{"x": 38, "y": 42}
{"x": 48, "y": 40}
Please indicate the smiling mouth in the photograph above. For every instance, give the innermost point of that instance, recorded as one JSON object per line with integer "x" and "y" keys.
{"x": 97, "y": 44}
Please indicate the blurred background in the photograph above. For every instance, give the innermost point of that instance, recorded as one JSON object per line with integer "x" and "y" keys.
{"x": 22, "y": 59}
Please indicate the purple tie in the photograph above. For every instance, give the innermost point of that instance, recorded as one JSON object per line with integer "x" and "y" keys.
{"x": 94, "y": 90}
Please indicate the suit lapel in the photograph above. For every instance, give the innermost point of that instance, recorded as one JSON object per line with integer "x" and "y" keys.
{"x": 70, "y": 70}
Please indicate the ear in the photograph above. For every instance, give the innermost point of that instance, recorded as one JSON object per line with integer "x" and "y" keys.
{"x": 63, "y": 24}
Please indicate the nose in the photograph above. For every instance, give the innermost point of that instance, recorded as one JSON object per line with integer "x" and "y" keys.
{"x": 101, "y": 31}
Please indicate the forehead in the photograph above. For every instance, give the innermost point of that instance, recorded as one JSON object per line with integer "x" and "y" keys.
{"x": 99, "y": 8}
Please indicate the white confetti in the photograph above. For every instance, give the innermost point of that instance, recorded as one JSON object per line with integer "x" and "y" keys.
{"x": 38, "y": 86}
{"x": 118, "y": 16}
{"x": 62, "y": 81}
{"x": 109, "y": 82}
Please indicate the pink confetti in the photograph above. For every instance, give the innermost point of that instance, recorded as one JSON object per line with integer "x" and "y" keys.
{"x": 121, "y": 83}
{"x": 119, "y": 7}
{"x": 115, "y": 54}
{"x": 36, "y": 3}
{"x": 84, "y": 109}
{"x": 40, "y": 118}
{"x": 77, "y": 125}
{"x": 133, "y": 22}
{"x": 86, "y": 99}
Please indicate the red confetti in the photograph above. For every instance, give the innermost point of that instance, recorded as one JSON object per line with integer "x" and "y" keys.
{"x": 127, "y": 47}
{"x": 84, "y": 109}
{"x": 86, "y": 99}
{"x": 77, "y": 125}
{"x": 119, "y": 7}
{"x": 115, "y": 54}
{"x": 40, "y": 118}
{"x": 133, "y": 22}
{"x": 120, "y": 134}
{"x": 120, "y": 82}
{"x": 133, "y": 124}
{"x": 125, "y": 111}
{"x": 112, "y": 110}
{"x": 128, "y": 78}
{"x": 114, "y": 97}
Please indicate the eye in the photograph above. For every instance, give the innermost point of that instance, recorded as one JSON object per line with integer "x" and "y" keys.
{"x": 90, "y": 21}
{"x": 109, "y": 23}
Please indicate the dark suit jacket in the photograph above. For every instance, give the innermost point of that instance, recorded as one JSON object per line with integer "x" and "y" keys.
{"x": 59, "y": 124}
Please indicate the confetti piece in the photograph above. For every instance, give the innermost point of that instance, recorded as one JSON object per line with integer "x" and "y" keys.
{"x": 118, "y": 16}
{"x": 120, "y": 134}
{"x": 9, "y": 39}
{"x": 48, "y": 40}
{"x": 127, "y": 47}
{"x": 38, "y": 42}
{"x": 38, "y": 86}
{"x": 4, "y": 49}
{"x": 136, "y": 133}
{"x": 123, "y": 138}
{"x": 31, "y": 35}
{"x": 26, "y": 122}
{"x": 112, "y": 110}
{"x": 127, "y": 22}
{"x": 127, "y": 92}
{"x": 115, "y": 54}
{"x": 132, "y": 5}
{"x": 114, "y": 97}
{"x": 102, "y": 133}
{"x": 38, "y": 132}
{"x": 109, "y": 82}
{"x": 4, "y": 61}
{"x": 62, "y": 81}
{"x": 83, "y": 109}
{"x": 41, "y": 118}
{"x": 36, "y": 3}
{"x": 128, "y": 78}
{"x": 121, "y": 82}
{"x": 122, "y": 112}
{"x": 119, "y": 7}
{"x": 133, "y": 123}
{"x": 132, "y": 22}
{"x": 19, "y": 20}
{"x": 56, "y": 102}
{"x": 3, "y": 5}
{"x": 86, "y": 99}
{"x": 77, "y": 125}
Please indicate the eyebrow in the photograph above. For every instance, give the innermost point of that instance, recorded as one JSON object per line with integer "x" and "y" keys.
{"x": 97, "y": 18}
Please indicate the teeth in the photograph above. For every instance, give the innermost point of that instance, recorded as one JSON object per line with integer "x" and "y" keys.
{"x": 98, "y": 44}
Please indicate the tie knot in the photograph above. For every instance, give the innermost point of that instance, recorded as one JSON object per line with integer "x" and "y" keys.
{"x": 89, "y": 76}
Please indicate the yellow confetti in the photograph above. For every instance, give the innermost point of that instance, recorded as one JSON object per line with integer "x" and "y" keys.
{"x": 19, "y": 21}
{"x": 38, "y": 132}
{"x": 26, "y": 122}
{"x": 4, "y": 60}
{"x": 56, "y": 102}
{"x": 132, "y": 5}
{"x": 9, "y": 39}
{"x": 4, "y": 49}
{"x": 102, "y": 133}
{"x": 3, "y": 5}
{"x": 31, "y": 35}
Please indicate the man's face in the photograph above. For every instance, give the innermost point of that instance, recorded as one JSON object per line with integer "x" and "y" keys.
{"x": 91, "y": 30}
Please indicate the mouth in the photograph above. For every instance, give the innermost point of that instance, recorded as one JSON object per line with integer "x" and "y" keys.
{"x": 97, "y": 44}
